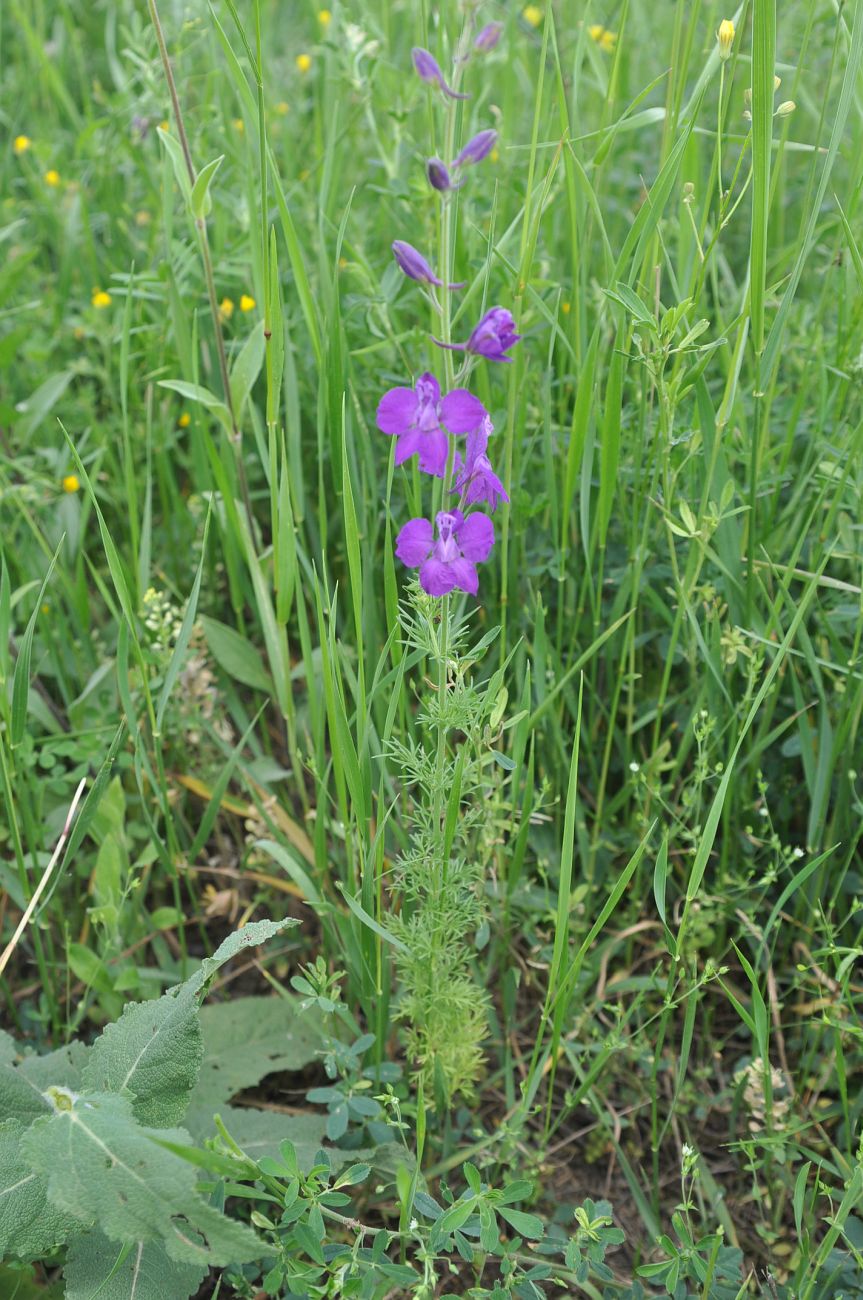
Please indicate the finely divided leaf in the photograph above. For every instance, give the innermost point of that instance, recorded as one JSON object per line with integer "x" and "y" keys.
{"x": 144, "y": 1273}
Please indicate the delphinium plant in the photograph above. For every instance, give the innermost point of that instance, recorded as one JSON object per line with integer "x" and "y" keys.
{"x": 445, "y": 427}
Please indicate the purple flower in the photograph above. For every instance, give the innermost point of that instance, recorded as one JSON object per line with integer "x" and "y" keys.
{"x": 476, "y": 149}
{"x": 414, "y": 416}
{"x": 438, "y": 175}
{"x": 488, "y": 38}
{"x": 429, "y": 71}
{"x": 475, "y": 476}
{"x": 451, "y": 560}
{"x": 416, "y": 267}
{"x": 491, "y": 338}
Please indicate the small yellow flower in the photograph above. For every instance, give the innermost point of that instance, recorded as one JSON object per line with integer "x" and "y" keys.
{"x": 226, "y": 308}
{"x": 101, "y": 299}
{"x": 532, "y": 14}
{"x": 566, "y": 308}
{"x": 282, "y": 108}
{"x": 595, "y": 32}
{"x": 343, "y": 263}
{"x": 79, "y": 332}
{"x": 21, "y": 143}
{"x": 165, "y": 125}
{"x": 325, "y": 17}
{"x": 52, "y": 178}
{"x": 239, "y": 124}
{"x": 143, "y": 218}
{"x": 494, "y": 156}
{"x": 725, "y": 38}
{"x": 70, "y": 483}
{"x": 304, "y": 62}
{"x": 185, "y": 420}
{"x": 247, "y": 302}
{"x": 608, "y": 42}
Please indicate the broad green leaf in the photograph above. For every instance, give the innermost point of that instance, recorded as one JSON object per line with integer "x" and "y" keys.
{"x": 178, "y": 162}
{"x": 199, "y": 200}
{"x": 100, "y": 1269}
{"x": 526, "y": 1225}
{"x": 247, "y": 367}
{"x": 29, "y": 1226}
{"x": 104, "y": 1168}
{"x": 203, "y": 396}
{"x": 154, "y": 1050}
{"x": 236, "y": 655}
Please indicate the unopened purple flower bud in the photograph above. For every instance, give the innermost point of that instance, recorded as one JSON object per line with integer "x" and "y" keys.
{"x": 477, "y": 148}
{"x": 488, "y": 38}
{"x": 428, "y": 70}
{"x": 415, "y": 266}
{"x": 438, "y": 175}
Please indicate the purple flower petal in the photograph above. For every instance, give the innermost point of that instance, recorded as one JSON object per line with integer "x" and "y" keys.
{"x": 397, "y": 410}
{"x": 461, "y": 412}
{"x": 436, "y": 577}
{"x": 476, "y": 537}
{"x": 414, "y": 542}
{"x": 413, "y": 263}
{"x": 408, "y": 445}
{"x": 476, "y": 149}
{"x": 428, "y": 70}
{"x": 465, "y": 576}
{"x": 433, "y": 452}
{"x": 428, "y": 389}
{"x": 438, "y": 175}
{"x": 488, "y": 38}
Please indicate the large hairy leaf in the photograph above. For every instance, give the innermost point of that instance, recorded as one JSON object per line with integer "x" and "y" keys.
{"x": 248, "y": 1038}
{"x": 97, "y": 1267}
{"x": 29, "y": 1226}
{"x": 105, "y": 1168}
{"x": 154, "y": 1050}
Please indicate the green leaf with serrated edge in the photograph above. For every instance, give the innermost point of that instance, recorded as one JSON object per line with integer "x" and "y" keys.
{"x": 29, "y": 1226}
{"x": 248, "y": 1038}
{"x": 20, "y": 1098}
{"x": 98, "y": 1268}
{"x": 104, "y": 1168}
{"x": 154, "y": 1050}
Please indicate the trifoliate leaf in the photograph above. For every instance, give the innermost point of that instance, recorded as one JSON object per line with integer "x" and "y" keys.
{"x": 103, "y": 1168}
{"x": 29, "y": 1226}
{"x": 145, "y": 1273}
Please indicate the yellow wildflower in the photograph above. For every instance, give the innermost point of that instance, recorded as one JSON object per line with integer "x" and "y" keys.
{"x": 143, "y": 217}
{"x": 725, "y": 38}
{"x": 608, "y": 41}
{"x": 282, "y": 108}
{"x": 325, "y": 17}
{"x": 595, "y": 32}
{"x": 70, "y": 483}
{"x": 239, "y": 124}
{"x": 304, "y": 62}
{"x": 165, "y": 125}
{"x": 343, "y": 264}
{"x": 101, "y": 298}
{"x": 494, "y": 156}
{"x": 185, "y": 420}
{"x": 566, "y": 308}
{"x": 52, "y": 178}
{"x": 247, "y": 302}
{"x": 21, "y": 143}
{"x": 226, "y": 308}
{"x": 532, "y": 14}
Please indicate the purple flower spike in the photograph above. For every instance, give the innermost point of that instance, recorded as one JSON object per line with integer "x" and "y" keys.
{"x": 415, "y": 267}
{"x": 438, "y": 175}
{"x": 450, "y": 561}
{"x": 491, "y": 338}
{"x": 476, "y": 149}
{"x": 428, "y": 70}
{"x": 475, "y": 476}
{"x": 488, "y": 38}
{"x": 414, "y": 416}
